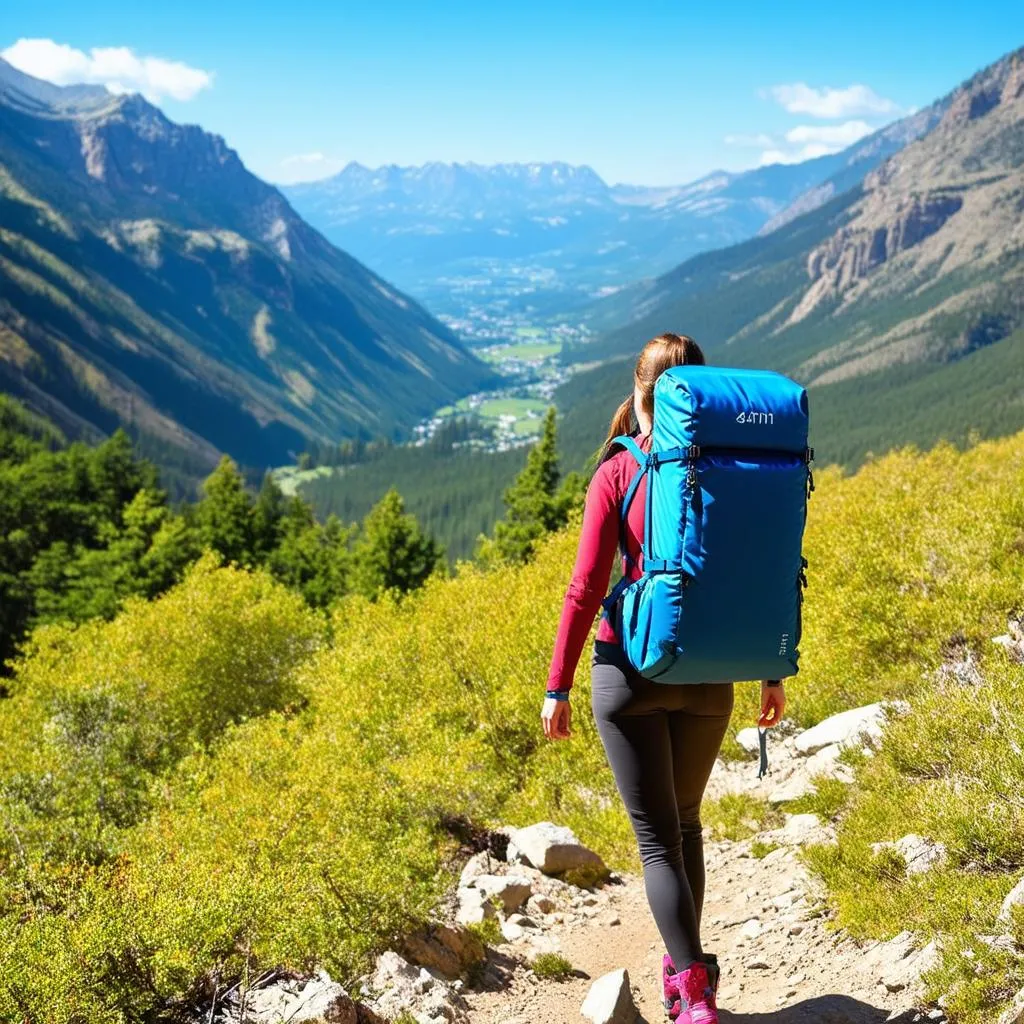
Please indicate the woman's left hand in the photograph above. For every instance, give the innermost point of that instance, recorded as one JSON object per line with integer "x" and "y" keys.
{"x": 773, "y": 703}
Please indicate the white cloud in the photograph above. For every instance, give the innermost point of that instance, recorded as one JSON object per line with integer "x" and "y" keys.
{"x": 803, "y": 142}
{"x": 853, "y": 101}
{"x": 119, "y": 68}
{"x": 838, "y": 135}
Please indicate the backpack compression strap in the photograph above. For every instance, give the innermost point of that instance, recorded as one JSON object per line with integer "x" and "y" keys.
{"x": 643, "y": 464}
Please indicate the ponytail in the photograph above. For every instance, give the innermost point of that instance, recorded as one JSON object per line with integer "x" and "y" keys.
{"x": 622, "y": 423}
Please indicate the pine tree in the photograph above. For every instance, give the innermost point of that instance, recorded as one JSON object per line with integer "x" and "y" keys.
{"x": 225, "y": 514}
{"x": 535, "y": 504}
{"x": 267, "y": 514}
{"x": 392, "y": 552}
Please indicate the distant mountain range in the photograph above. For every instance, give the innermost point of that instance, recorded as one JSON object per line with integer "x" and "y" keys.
{"x": 147, "y": 279}
{"x": 899, "y": 301}
{"x": 561, "y": 230}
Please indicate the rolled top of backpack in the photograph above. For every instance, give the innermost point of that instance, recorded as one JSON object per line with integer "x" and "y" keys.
{"x": 716, "y": 407}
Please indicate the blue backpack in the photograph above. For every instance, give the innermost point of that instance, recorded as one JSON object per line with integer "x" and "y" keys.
{"x": 723, "y": 576}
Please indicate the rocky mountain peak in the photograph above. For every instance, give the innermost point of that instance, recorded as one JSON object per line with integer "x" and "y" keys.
{"x": 957, "y": 183}
{"x": 33, "y": 95}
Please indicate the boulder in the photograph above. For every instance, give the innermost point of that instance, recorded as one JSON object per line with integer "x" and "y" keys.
{"x": 449, "y": 950}
{"x": 316, "y": 1000}
{"x": 747, "y": 739}
{"x": 847, "y": 727}
{"x": 904, "y": 972}
{"x": 1014, "y": 898}
{"x": 797, "y": 787}
{"x": 825, "y": 762}
{"x": 799, "y": 829}
{"x": 512, "y": 890}
{"x": 481, "y": 863}
{"x": 554, "y": 849}
{"x": 320, "y": 1001}
{"x": 474, "y": 907}
{"x": 610, "y": 1000}
{"x": 399, "y": 987}
{"x": 919, "y": 853}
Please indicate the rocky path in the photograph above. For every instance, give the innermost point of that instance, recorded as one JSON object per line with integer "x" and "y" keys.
{"x": 763, "y": 917}
{"x": 780, "y": 962}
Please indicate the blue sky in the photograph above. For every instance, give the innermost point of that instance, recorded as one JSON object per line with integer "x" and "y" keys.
{"x": 653, "y": 93}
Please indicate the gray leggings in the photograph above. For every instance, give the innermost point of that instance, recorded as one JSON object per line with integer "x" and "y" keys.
{"x": 662, "y": 741}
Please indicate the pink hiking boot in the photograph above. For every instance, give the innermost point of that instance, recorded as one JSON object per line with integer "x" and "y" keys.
{"x": 690, "y": 994}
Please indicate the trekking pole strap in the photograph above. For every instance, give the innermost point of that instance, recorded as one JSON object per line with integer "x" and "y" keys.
{"x": 762, "y": 746}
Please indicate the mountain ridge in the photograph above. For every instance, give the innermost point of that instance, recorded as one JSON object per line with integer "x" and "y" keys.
{"x": 515, "y": 224}
{"x": 150, "y": 280}
{"x": 907, "y": 287}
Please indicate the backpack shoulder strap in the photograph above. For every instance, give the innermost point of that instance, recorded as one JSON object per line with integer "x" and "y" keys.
{"x": 631, "y": 446}
{"x": 643, "y": 464}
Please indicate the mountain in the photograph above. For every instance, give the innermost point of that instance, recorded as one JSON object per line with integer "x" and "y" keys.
{"x": 899, "y": 302}
{"x": 555, "y": 231}
{"x": 149, "y": 280}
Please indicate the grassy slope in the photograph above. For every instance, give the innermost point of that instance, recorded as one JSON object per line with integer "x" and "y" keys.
{"x": 314, "y": 828}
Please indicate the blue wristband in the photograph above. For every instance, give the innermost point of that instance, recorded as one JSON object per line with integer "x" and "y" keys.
{"x": 558, "y": 694}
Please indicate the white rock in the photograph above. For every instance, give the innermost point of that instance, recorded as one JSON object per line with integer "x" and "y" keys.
{"x": 797, "y": 787}
{"x": 554, "y": 848}
{"x": 473, "y": 906}
{"x": 321, "y": 1001}
{"x": 751, "y": 929}
{"x": 800, "y": 827}
{"x": 920, "y": 854}
{"x": 847, "y": 727}
{"x": 512, "y": 890}
{"x": 1014, "y": 1013}
{"x": 1014, "y": 897}
{"x": 610, "y": 1000}
{"x": 747, "y": 739}
{"x": 902, "y": 964}
{"x": 481, "y": 863}
{"x": 826, "y": 763}
{"x": 400, "y": 987}
{"x": 392, "y": 970}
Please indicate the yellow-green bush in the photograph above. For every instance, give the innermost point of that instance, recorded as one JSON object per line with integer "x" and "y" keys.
{"x": 316, "y": 829}
{"x": 952, "y": 771}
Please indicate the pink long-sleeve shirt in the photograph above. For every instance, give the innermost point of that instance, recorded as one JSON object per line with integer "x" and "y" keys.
{"x": 599, "y": 539}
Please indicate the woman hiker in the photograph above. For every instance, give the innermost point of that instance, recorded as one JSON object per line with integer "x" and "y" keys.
{"x": 661, "y": 740}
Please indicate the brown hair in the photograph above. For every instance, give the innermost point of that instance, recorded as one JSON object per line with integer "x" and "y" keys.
{"x": 655, "y": 358}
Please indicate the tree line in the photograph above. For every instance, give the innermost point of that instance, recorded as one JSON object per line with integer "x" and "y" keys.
{"x": 82, "y": 528}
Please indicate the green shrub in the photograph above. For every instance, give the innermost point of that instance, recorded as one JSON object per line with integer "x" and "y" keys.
{"x": 945, "y": 771}
{"x": 552, "y": 967}
{"x": 204, "y": 787}
{"x": 488, "y": 931}
{"x": 739, "y": 815}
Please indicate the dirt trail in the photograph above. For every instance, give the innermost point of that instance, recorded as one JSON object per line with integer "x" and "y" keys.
{"x": 788, "y": 968}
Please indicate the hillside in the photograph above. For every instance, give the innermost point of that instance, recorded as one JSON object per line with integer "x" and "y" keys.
{"x": 150, "y": 281}
{"x": 554, "y": 234}
{"x": 218, "y": 783}
{"x": 900, "y": 302}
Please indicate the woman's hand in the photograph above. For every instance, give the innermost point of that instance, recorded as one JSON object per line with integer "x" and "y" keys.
{"x": 773, "y": 703}
{"x": 556, "y": 715}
